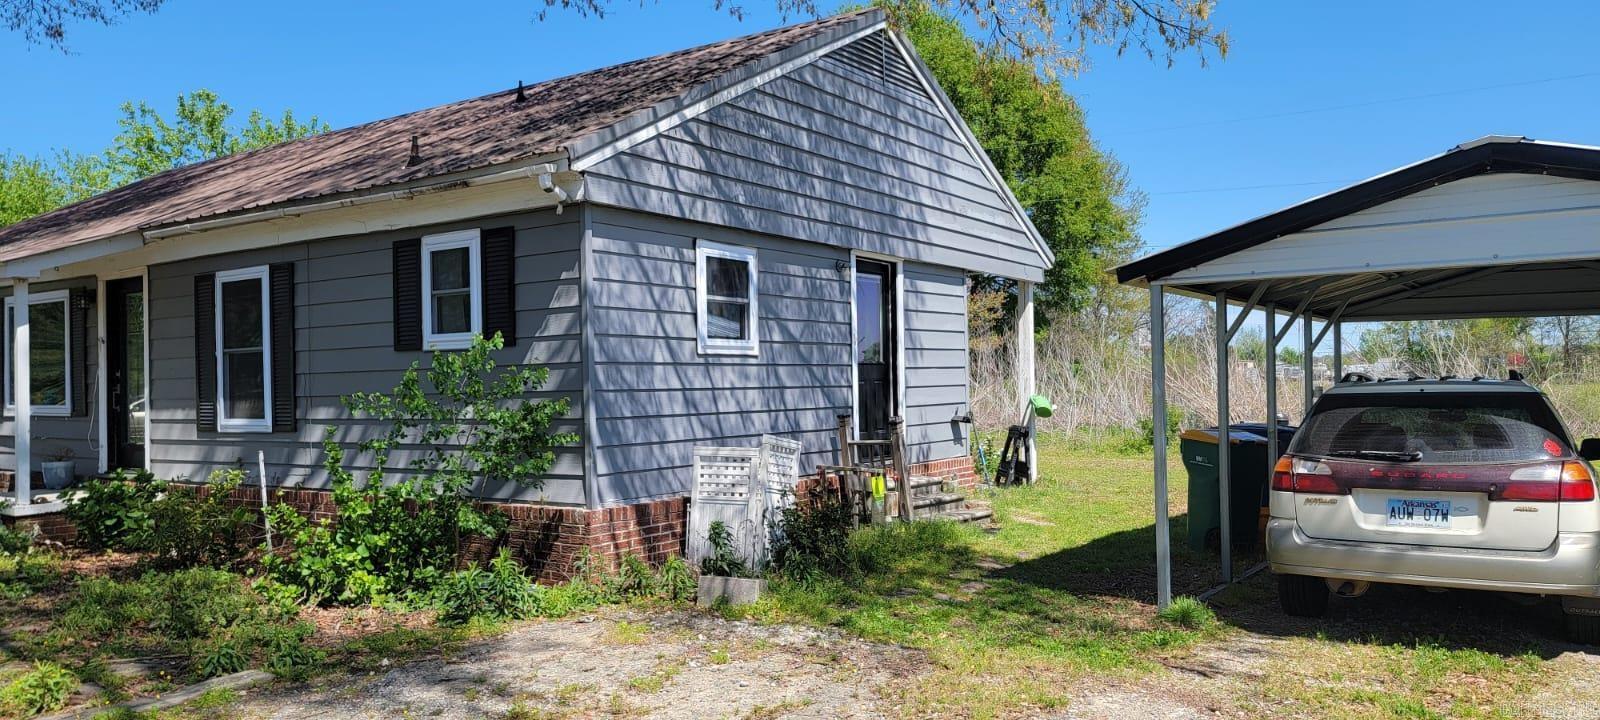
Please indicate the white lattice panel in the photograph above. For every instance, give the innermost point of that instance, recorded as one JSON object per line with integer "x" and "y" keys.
{"x": 746, "y": 489}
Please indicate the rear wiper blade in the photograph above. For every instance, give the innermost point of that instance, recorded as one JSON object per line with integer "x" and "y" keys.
{"x": 1393, "y": 455}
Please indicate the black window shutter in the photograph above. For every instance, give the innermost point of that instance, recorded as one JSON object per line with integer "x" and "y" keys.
{"x": 280, "y": 293}
{"x": 498, "y": 256}
{"x": 78, "y": 349}
{"x": 205, "y": 353}
{"x": 408, "y": 294}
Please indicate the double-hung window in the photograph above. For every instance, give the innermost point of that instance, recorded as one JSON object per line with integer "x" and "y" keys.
{"x": 452, "y": 294}
{"x": 49, "y": 353}
{"x": 244, "y": 351}
{"x": 725, "y": 297}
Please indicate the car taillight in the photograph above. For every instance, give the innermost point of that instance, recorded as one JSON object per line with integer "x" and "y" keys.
{"x": 1304, "y": 476}
{"x": 1570, "y": 481}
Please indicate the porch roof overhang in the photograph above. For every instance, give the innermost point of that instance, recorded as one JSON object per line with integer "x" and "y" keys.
{"x": 1500, "y": 226}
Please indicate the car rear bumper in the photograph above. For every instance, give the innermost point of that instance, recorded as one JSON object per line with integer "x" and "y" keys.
{"x": 1570, "y": 566}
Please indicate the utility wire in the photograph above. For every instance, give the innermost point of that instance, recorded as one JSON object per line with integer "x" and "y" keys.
{"x": 1365, "y": 103}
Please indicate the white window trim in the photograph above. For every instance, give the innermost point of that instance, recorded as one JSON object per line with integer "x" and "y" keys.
{"x": 225, "y": 423}
{"x": 44, "y": 298}
{"x": 469, "y": 239}
{"x": 726, "y": 346}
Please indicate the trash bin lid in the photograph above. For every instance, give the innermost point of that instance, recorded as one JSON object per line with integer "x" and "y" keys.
{"x": 1237, "y": 433}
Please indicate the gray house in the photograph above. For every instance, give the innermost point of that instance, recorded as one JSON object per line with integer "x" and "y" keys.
{"x": 749, "y": 237}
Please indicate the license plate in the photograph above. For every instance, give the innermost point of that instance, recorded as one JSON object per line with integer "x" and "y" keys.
{"x": 1418, "y": 513}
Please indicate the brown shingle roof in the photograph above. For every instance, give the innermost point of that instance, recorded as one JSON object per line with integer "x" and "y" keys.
{"x": 466, "y": 135}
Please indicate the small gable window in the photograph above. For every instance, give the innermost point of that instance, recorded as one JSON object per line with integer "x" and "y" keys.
{"x": 452, "y": 302}
{"x": 725, "y": 292}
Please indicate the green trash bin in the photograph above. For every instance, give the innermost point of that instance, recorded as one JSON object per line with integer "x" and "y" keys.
{"x": 1247, "y": 472}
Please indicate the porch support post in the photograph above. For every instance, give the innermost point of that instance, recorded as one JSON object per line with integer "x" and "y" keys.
{"x": 1223, "y": 440}
{"x": 21, "y": 380}
{"x": 1158, "y": 419}
{"x": 1308, "y": 349}
{"x": 1026, "y": 382}
{"x": 1272, "y": 391}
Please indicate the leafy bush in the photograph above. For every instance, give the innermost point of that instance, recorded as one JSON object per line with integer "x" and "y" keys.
{"x": 723, "y": 561}
{"x": 812, "y": 539}
{"x": 13, "y": 541}
{"x": 675, "y": 582}
{"x": 43, "y": 689}
{"x": 399, "y": 539}
{"x": 502, "y": 592}
{"x": 24, "y": 573}
{"x": 192, "y": 529}
{"x": 113, "y": 513}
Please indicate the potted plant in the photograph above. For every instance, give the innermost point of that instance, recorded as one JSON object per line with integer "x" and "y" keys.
{"x": 59, "y": 470}
{"x": 724, "y": 576}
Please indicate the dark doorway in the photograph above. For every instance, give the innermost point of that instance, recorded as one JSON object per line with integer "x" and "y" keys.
{"x": 875, "y": 354}
{"x": 126, "y": 403}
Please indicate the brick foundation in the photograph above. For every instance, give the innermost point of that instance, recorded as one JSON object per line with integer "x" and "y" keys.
{"x": 548, "y": 540}
{"x": 959, "y": 468}
{"x": 52, "y": 527}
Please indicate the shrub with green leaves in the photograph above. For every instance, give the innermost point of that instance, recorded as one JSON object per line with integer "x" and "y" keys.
{"x": 1187, "y": 612}
{"x": 723, "y": 560}
{"x": 45, "y": 688}
{"x": 13, "y": 541}
{"x": 398, "y": 533}
{"x": 502, "y": 592}
{"x": 113, "y": 513}
{"x": 190, "y": 528}
{"x": 811, "y": 539}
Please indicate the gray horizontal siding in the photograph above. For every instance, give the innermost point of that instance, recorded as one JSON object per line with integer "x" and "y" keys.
{"x": 345, "y": 343}
{"x": 656, "y": 397}
{"x": 829, "y": 154}
{"x": 936, "y": 361}
{"x": 52, "y": 435}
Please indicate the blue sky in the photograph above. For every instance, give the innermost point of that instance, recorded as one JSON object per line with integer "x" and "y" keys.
{"x": 1307, "y": 100}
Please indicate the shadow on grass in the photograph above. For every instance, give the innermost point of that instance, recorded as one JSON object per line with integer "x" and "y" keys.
{"x": 1123, "y": 564}
{"x": 1411, "y": 616}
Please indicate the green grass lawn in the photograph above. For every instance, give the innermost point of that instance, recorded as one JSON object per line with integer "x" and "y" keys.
{"x": 1016, "y": 621}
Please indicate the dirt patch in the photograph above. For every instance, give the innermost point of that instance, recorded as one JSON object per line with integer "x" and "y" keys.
{"x": 668, "y": 665}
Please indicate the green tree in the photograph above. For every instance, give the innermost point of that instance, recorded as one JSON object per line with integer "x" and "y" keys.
{"x": 1077, "y": 196}
{"x": 147, "y": 143}
{"x": 199, "y": 130}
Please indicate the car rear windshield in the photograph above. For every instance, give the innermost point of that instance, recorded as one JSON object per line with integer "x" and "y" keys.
{"x": 1433, "y": 427}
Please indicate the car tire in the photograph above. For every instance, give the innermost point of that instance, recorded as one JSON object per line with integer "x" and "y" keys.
{"x": 1584, "y": 629}
{"x": 1303, "y": 595}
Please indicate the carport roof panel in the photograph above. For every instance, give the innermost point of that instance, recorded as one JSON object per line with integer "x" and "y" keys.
{"x": 1494, "y": 154}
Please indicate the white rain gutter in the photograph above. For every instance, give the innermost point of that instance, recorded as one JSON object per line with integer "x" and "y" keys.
{"x": 545, "y": 172}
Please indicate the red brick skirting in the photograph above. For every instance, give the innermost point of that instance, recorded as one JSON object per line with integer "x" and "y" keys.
{"x": 548, "y": 540}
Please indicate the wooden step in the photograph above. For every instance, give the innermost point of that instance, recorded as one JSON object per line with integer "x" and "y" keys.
{"x": 934, "y": 499}
{"x": 918, "y": 483}
{"x": 970, "y": 514}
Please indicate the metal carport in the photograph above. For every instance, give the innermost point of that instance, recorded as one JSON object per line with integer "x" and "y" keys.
{"x": 1500, "y": 226}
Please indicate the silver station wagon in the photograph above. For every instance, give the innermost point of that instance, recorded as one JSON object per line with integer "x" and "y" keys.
{"x": 1446, "y": 483}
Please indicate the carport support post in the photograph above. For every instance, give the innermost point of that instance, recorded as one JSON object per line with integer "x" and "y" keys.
{"x": 1272, "y": 389}
{"x": 1158, "y": 419}
{"x": 1223, "y": 444}
{"x": 21, "y": 380}
{"x": 1338, "y": 350}
{"x": 1307, "y": 366}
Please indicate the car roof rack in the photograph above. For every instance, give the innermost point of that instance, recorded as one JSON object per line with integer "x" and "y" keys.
{"x": 1514, "y": 375}
{"x": 1355, "y": 377}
